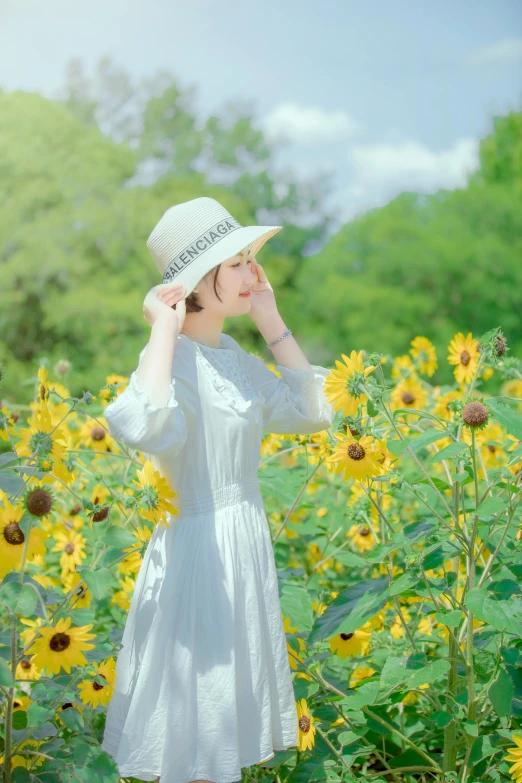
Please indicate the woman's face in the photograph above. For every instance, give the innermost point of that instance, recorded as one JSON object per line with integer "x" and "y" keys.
{"x": 235, "y": 276}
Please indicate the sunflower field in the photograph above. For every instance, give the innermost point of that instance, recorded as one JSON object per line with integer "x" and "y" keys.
{"x": 398, "y": 543}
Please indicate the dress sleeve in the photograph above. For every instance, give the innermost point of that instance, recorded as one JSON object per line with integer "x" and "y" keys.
{"x": 294, "y": 403}
{"x": 136, "y": 421}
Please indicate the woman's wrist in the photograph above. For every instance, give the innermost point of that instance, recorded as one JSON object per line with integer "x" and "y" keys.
{"x": 272, "y": 328}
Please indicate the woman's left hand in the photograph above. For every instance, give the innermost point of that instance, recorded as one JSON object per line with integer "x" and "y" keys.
{"x": 262, "y": 299}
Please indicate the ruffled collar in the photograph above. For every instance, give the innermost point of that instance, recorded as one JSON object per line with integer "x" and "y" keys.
{"x": 227, "y": 372}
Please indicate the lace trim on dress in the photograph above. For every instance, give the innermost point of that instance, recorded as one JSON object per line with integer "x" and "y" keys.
{"x": 229, "y": 376}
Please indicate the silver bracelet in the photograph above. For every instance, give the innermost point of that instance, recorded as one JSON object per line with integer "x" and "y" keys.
{"x": 285, "y": 334}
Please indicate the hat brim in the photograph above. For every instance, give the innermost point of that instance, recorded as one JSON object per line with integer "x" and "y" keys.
{"x": 246, "y": 236}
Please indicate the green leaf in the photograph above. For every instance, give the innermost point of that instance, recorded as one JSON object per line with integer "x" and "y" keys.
{"x": 120, "y": 538}
{"x": 490, "y": 507}
{"x": 506, "y": 416}
{"x": 471, "y": 727}
{"x": 98, "y": 581}
{"x": 20, "y": 598}
{"x": 351, "y": 609}
{"x": 441, "y": 718}
{"x": 501, "y": 693}
{"x": 499, "y": 614}
{"x": 365, "y": 694}
{"x": 426, "y": 438}
{"x": 403, "y": 583}
{"x": 424, "y": 528}
{"x": 428, "y": 673}
{"x": 37, "y": 714}
{"x": 6, "y": 678}
{"x": 451, "y": 619}
{"x": 449, "y": 451}
{"x": 296, "y": 604}
{"x": 396, "y": 447}
{"x": 380, "y": 552}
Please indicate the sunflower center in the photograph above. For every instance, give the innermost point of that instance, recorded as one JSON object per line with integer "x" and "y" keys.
{"x": 365, "y": 531}
{"x": 346, "y": 636}
{"x": 96, "y": 686}
{"x": 304, "y": 723}
{"x": 39, "y": 502}
{"x": 60, "y": 642}
{"x": 407, "y": 398}
{"x": 356, "y": 451}
{"x": 475, "y": 414}
{"x": 69, "y": 547}
{"x": 25, "y": 663}
{"x": 14, "y": 534}
{"x": 97, "y": 433}
{"x": 465, "y": 357}
{"x": 491, "y": 448}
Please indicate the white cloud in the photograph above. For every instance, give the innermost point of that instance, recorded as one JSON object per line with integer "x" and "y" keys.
{"x": 309, "y": 125}
{"x": 379, "y": 172}
{"x": 507, "y": 51}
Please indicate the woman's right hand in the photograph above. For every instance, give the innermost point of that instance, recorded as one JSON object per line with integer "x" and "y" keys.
{"x": 160, "y": 300}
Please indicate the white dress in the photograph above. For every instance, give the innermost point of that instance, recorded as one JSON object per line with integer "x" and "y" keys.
{"x": 203, "y": 683}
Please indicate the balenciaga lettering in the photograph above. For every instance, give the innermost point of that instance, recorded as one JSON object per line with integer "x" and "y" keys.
{"x": 203, "y": 242}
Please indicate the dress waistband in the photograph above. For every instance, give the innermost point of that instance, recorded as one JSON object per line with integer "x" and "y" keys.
{"x": 218, "y": 497}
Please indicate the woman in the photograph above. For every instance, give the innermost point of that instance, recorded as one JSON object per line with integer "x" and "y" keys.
{"x": 203, "y": 683}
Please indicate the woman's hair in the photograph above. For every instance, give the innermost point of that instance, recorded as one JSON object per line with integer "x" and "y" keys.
{"x": 191, "y": 303}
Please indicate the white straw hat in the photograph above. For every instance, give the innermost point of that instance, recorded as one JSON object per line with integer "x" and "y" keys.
{"x": 193, "y": 237}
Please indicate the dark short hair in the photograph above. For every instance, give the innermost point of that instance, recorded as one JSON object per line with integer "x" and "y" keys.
{"x": 191, "y": 303}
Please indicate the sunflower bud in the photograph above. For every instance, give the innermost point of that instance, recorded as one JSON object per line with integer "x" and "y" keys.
{"x": 39, "y": 502}
{"x": 500, "y": 346}
{"x": 475, "y": 414}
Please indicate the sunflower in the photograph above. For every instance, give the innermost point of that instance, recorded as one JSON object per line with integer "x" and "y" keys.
{"x": 515, "y": 754}
{"x": 490, "y": 441}
{"x": 306, "y": 725}
{"x": 72, "y": 580}
{"x": 356, "y": 458}
{"x": 344, "y": 387}
{"x": 26, "y": 670}
{"x": 29, "y": 761}
{"x": 122, "y": 598}
{"x": 424, "y": 352}
{"x": 397, "y": 628}
{"x": 72, "y": 546}
{"x": 360, "y": 673}
{"x": 60, "y": 646}
{"x": 464, "y": 354}
{"x": 7, "y": 424}
{"x": 12, "y": 538}
{"x": 363, "y": 537}
{"x": 93, "y": 691}
{"x": 42, "y": 437}
{"x": 155, "y": 495}
{"x": 409, "y": 393}
{"x": 95, "y": 436}
{"x": 402, "y": 367}
{"x": 294, "y": 656}
{"x": 513, "y": 388}
{"x": 351, "y": 644}
{"x": 441, "y": 404}
{"x": 132, "y": 563}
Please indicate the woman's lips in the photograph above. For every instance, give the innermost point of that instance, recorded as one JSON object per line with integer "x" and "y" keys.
{"x": 247, "y": 293}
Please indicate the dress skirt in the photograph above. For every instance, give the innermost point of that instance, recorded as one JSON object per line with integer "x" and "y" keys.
{"x": 203, "y": 684}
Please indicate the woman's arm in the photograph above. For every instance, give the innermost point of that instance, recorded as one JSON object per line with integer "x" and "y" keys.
{"x": 154, "y": 373}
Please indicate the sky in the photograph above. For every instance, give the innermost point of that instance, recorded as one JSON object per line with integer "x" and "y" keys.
{"x": 386, "y": 96}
